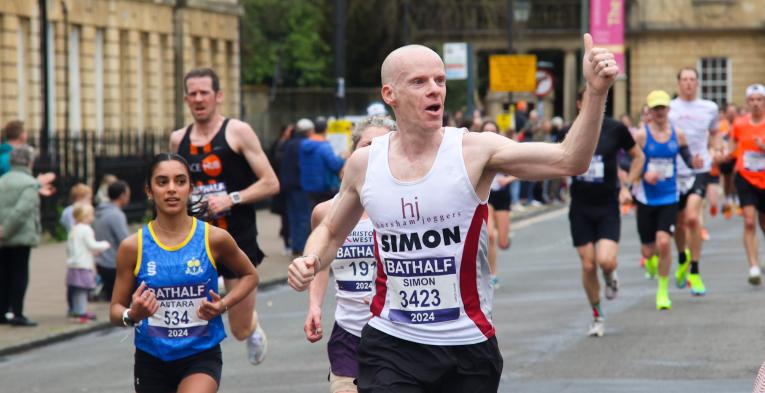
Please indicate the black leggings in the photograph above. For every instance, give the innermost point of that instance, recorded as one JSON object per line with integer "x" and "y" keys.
{"x": 14, "y": 277}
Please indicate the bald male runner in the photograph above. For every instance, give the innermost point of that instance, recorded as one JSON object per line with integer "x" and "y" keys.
{"x": 425, "y": 187}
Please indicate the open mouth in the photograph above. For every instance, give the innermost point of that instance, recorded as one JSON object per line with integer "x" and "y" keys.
{"x": 433, "y": 108}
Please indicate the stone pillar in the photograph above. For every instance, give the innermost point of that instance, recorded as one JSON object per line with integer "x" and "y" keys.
{"x": 9, "y": 83}
{"x": 620, "y": 96}
{"x": 493, "y": 103}
{"x": 153, "y": 91}
{"x": 131, "y": 94}
{"x": 234, "y": 95}
{"x": 167, "y": 82}
{"x": 34, "y": 78}
{"x": 88, "y": 76}
{"x": 570, "y": 80}
{"x": 112, "y": 83}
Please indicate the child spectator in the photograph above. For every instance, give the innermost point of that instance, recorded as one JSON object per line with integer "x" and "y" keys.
{"x": 79, "y": 193}
{"x": 80, "y": 274}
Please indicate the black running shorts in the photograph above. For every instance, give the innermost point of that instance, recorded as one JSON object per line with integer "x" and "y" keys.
{"x": 749, "y": 195}
{"x": 389, "y": 364}
{"x": 500, "y": 199}
{"x": 254, "y": 253}
{"x": 589, "y": 224}
{"x": 154, "y": 375}
{"x": 651, "y": 219}
{"x": 726, "y": 168}
{"x": 699, "y": 188}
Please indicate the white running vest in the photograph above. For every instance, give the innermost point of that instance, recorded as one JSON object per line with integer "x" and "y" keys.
{"x": 354, "y": 270}
{"x": 433, "y": 285}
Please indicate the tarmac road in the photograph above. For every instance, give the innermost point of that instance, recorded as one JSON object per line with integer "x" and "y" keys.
{"x": 714, "y": 343}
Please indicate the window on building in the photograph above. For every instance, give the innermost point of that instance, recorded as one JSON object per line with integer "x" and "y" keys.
{"x": 714, "y": 79}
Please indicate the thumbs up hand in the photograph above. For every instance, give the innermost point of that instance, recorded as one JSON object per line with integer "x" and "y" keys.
{"x": 599, "y": 67}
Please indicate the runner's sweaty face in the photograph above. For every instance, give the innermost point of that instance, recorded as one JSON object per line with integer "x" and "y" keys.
{"x": 201, "y": 99}
{"x": 414, "y": 85}
{"x": 170, "y": 187}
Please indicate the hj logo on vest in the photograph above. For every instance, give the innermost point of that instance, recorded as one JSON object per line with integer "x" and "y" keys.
{"x": 412, "y": 207}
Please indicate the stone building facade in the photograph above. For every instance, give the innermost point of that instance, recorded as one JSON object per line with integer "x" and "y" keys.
{"x": 114, "y": 64}
{"x": 723, "y": 39}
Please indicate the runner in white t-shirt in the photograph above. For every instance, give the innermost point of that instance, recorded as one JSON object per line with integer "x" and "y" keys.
{"x": 354, "y": 271}
{"x": 698, "y": 118}
{"x": 425, "y": 188}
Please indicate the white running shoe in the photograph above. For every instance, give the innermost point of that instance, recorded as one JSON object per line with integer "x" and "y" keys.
{"x": 755, "y": 275}
{"x": 257, "y": 346}
{"x": 612, "y": 285}
{"x": 597, "y": 328}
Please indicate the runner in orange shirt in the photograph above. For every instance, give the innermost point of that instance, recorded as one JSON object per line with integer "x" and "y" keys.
{"x": 748, "y": 137}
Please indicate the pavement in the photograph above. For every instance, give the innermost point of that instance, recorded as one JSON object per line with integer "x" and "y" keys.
{"x": 45, "y": 301}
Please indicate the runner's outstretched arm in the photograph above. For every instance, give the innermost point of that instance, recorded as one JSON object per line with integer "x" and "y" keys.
{"x": 318, "y": 288}
{"x": 329, "y": 235}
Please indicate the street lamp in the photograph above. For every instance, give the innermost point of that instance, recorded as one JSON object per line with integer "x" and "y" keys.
{"x": 522, "y": 10}
{"x": 517, "y": 11}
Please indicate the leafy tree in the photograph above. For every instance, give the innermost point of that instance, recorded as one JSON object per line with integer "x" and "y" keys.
{"x": 283, "y": 38}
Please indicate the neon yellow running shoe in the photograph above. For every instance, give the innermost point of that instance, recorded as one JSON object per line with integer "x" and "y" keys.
{"x": 681, "y": 275}
{"x": 662, "y": 295}
{"x": 652, "y": 267}
{"x": 697, "y": 285}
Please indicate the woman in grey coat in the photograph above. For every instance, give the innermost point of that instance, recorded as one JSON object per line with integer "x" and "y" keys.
{"x": 19, "y": 232}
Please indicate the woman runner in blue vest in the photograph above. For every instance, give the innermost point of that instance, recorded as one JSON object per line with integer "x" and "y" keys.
{"x": 167, "y": 287}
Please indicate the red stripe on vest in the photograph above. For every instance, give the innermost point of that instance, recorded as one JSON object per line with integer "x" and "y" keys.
{"x": 381, "y": 283}
{"x": 468, "y": 279}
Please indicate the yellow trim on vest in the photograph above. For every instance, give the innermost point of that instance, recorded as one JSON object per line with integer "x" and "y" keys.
{"x": 177, "y": 246}
{"x": 207, "y": 246}
{"x": 140, "y": 253}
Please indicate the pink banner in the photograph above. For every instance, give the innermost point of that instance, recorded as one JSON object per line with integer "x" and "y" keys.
{"x": 607, "y": 27}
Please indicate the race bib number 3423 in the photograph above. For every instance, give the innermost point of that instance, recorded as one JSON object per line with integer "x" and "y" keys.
{"x": 422, "y": 290}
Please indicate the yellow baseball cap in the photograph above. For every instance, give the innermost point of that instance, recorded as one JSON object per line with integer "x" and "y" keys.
{"x": 657, "y": 98}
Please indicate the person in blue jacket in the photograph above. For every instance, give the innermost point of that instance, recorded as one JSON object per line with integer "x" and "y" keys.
{"x": 319, "y": 165}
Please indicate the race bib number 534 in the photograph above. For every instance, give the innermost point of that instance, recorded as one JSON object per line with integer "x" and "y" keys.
{"x": 177, "y": 314}
{"x": 422, "y": 290}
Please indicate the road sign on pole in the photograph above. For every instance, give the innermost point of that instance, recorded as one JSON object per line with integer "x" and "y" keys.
{"x": 456, "y": 60}
{"x": 513, "y": 73}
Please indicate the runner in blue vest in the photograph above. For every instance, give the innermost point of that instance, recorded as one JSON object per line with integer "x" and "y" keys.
{"x": 657, "y": 194}
{"x": 173, "y": 262}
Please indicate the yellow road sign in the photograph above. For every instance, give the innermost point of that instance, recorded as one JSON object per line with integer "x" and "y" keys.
{"x": 339, "y": 135}
{"x": 513, "y": 73}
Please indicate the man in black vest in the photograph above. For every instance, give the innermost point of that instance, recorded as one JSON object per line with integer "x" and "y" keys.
{"x": 231, "y": 172}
